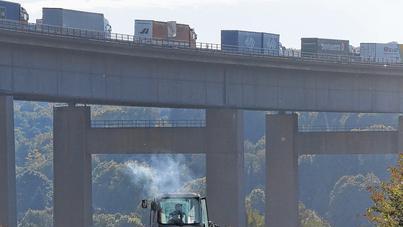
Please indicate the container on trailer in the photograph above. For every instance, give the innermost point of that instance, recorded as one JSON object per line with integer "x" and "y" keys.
{"x": 144, "y": 28}
{"x": 368, "y": 52}
{"x": 13, "y": 11}
{"x": 380, "y": 52}
{"x": 170, "y": 33}
{"x": 289, "y": 52}
{"x": 324, "y": 48}
{"x": 67, "y": 21}
{"x": 401, "y": 52}
{"x": 271, "y": 44}
{"x": 241, "y": 41}
{"x": 73, "y": 19}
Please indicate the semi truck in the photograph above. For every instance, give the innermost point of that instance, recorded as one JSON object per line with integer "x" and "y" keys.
{"x": 169, "y": 33}
{"x": 95, "y": 24}
{"x": 13, "y": 11}
{"x": 178, "y": 209}
{"x": 380, "y": 52}
{"x": 331, "y": 49}
{"x": 250, "y": 42}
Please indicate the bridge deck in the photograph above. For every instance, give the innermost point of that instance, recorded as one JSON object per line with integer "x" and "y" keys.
{"x": 68, "y": 69}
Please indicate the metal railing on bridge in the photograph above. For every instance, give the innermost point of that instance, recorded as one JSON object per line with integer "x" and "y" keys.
{"x": 348, "y": 128}
{"x": 148, "y": 123}
{"x": 211, "y": 48}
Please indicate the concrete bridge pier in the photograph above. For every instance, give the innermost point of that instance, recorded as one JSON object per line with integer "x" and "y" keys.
{"x": 72, "y": 167}
{"x": 7, "y": 163}
{"x": 400, "y": 135}
{"x": 282, "y": 171}
{"x": 225, "y": 161}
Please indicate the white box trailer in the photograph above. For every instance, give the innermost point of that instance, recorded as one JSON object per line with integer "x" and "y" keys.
{"x": 380, "y": 52}
{"x": 170, "y": 33}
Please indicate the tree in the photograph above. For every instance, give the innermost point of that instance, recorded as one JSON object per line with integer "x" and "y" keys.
{"x": 349, "y": 200}
{"x": 117, "y": 220}
{"x": 37, "y": 218}
{"x": 114, "y": 190}
{"x": 309, "y": 218}
{"x": 387, "y": 210}
{"x": 255, "y": 208}
{"x": 255, "y": 219}
{"x": 256, "y": 200}
{"x": 34, "y": 191}
{"x": 195, "y": 186}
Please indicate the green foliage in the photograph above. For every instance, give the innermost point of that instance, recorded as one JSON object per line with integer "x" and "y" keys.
{"x": 113, "y": 188}
{"x": 116, "y": 220}
{"x": 349, "y": 199}
{"x": 33, "y": 191}
{"x": 387, "y": 210}
{"x": 37, "y": 218}
{"x": 40, "y": 155}
{"x": 255, "y": 208}
{"x": 319, "y": 174}
{"x": 254, "y": 218}
{"x": 256, "y": 200}
{"x": 196, "y": 186}
{"x": 124, "y": 113}
{"x": 31, "y": 120}
{"x": 255, "y": 162}
{"x": 309, "y": 218}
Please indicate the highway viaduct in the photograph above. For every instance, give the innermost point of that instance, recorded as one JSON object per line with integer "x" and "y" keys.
{"x": 68, "y": 69}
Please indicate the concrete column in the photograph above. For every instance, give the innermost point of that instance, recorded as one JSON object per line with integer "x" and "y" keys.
{"x": 225, "y": 161}
{"x": 400, "y": 136}
{"x": 282, "y": 171}
{"x": 72, "y": 167}
{"x": 7, "y": 164}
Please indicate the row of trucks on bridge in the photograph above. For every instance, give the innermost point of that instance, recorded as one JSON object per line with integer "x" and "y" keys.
{"x": 158, "y": 33}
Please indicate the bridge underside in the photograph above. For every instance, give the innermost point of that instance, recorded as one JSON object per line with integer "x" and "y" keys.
{"x": 221, "y": 140}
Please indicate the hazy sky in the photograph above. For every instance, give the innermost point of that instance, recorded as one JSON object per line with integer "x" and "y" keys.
{"x": 355, "y": 20}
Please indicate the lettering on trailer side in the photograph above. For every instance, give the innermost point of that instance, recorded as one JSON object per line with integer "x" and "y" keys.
{"x": 143, "y": 28}
{"x": 145, "y": 31}
{"x": 250, "y": 42}
{"x": 333, "y": 47}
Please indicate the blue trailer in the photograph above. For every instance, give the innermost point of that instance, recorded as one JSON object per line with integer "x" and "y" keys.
{"x": 13, "y": 11}
{"x": 241, "y": 41}
{"x": 250, "y": 42}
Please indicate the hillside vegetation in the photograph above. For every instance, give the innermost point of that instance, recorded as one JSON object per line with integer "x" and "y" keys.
{"x": 332, "y": 187}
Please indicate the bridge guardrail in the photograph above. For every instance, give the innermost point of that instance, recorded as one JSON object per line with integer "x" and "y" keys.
{"x": 148, "y": 123}
{"x": 352, "y": 128}
{"x": 173, "y": 44}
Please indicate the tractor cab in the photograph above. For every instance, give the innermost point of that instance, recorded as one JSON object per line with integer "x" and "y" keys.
{"x": 179, "y": 209}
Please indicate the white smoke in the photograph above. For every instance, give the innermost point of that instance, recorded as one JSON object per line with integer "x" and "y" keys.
{"x": 163, "y": 174}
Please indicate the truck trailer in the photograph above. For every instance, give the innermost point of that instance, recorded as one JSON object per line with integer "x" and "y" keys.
{"x": 250, "y": 42}
{"x": 169, "y": 33}
{"x": 330, "y": 49}
{"x": 67, "y": 18}
{"x": 13, "y": 11}
{"x": 380, "y": 52}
